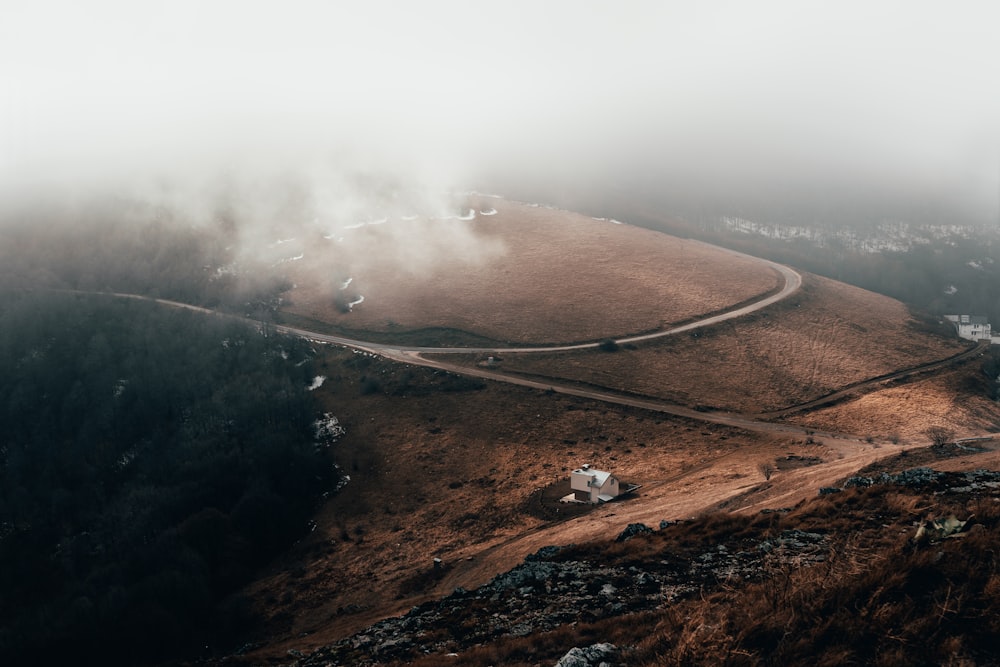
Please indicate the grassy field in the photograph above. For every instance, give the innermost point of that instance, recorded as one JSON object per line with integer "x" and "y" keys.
{"x": 444, "y": 466}
{"x": 524, "y": 275}
{"x": 825, "y": 337}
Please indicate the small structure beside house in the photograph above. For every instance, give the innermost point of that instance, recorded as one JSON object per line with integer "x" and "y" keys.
{"x": 973, "y": 327}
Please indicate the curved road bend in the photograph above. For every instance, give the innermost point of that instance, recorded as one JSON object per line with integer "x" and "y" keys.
{"x": 793, "y": 281}
{"x": 412, "y": 355}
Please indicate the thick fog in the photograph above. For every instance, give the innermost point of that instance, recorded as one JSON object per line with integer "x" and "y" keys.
{"x": 719, "y": 98}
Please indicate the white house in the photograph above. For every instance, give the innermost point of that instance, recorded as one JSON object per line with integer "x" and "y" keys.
{"x": 971, "y": 327}
{"x": 593, "y": 486}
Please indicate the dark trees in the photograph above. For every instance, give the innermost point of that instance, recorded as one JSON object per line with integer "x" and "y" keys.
{"x": 150, "y": 460}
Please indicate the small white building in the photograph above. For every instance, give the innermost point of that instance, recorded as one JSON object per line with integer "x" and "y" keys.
{"x": 971, "y": 327}
{"x": 593, "y": 486}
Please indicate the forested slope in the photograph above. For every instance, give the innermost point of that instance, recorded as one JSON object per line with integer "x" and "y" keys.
{"x": 150, "y": 460}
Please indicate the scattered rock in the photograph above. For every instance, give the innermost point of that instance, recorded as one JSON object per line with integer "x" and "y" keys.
{"x": 632, "y": 530}
{"x": 595, "y": 655}
{"x": 545, "y": 553}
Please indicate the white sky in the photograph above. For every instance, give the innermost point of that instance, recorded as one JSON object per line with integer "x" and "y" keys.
{"x": 753, "y": 89}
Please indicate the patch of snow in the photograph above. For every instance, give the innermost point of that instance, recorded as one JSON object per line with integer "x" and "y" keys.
{"x": 615, "y": 222}
{"x": 290, "y": 259}
{"x": 327, "y": 429}
{"x": 409, "y": 218}
{"x": 280, "y": 242}
{"x": 951, "y": 289}
{"x": 380, "y": 221}
{"x": 317, "y": 382}
{"x": 488, "y": 211}
{"x": 359, "y": 300}
{"x": 344, "y": 479}
{"x": 227, "y": 270}
{"x": 357, "y": 225}
{"x": 347, "y": 282}
{"x": 974, "y": 264}
{"x": 471, "y": 215}
{"x": 334, "y": 237}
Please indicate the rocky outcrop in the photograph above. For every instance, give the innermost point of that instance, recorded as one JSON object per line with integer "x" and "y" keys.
{"x": 556, "y": 586}
{"x": 632, "y": 530}
{"x": 940, "y": 482}
{"x": 596, "y": 655}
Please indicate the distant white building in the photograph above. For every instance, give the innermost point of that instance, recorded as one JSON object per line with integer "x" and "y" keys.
{"x": 593, "y": 486}
{"x": 972, "y": 327}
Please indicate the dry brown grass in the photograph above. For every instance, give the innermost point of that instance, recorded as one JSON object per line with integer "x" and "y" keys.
{"x": 953, "y": 399}
{"x": 828, "y": 336}
{"x": 440, "y": 472}
{"x": 878, "y": 599}
{"x": 440, "y": 467}
{"x": 875, "y": 598}
{"x": 543, "y": 276}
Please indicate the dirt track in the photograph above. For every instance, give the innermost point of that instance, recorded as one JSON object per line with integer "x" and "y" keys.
{"x": 726, "y": 482}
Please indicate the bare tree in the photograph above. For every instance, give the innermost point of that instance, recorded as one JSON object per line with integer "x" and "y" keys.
{"x": 939, "y": 435}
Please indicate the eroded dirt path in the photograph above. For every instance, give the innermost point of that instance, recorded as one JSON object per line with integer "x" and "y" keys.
{"x": 730, "y": 482}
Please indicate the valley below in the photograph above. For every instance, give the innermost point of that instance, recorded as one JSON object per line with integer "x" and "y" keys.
{"x": 455, "y": 457}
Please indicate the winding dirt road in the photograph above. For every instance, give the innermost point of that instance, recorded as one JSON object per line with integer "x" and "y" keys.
{"x": 757, "y": 423}
{"x": 729, "y": 481}
{"x": 408, "y": 353}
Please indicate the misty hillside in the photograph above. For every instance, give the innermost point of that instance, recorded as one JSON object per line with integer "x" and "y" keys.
{"x": 927, "y": 252}
{"x": 309, "y": 311}
{"x": 163, "y": 472}
{"x": 151, "y": 461}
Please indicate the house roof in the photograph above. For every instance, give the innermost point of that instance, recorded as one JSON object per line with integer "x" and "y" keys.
{"x": 599, "y": 476}
{"x": 979, "y": 319}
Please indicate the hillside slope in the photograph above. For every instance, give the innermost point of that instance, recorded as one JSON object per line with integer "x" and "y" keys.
{"x": 465, "y": 470}
{"x": 887, "y": 569}
{"x": 524, "y": 274}
{"x": 825, "y": 337}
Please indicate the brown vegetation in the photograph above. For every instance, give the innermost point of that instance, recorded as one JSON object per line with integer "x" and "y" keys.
{"x": 794, "y": 351}
{"x": 874, "y": 595}
{"x": 550, "y": 276}
{"x": 954, "y": 399}
{"x": 449, "y": 467}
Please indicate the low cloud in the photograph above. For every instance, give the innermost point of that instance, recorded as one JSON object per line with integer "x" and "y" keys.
{"x": 726, "y": 99}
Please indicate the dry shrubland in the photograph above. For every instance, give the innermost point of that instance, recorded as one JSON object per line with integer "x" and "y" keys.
{"x": 877, "y": 596}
